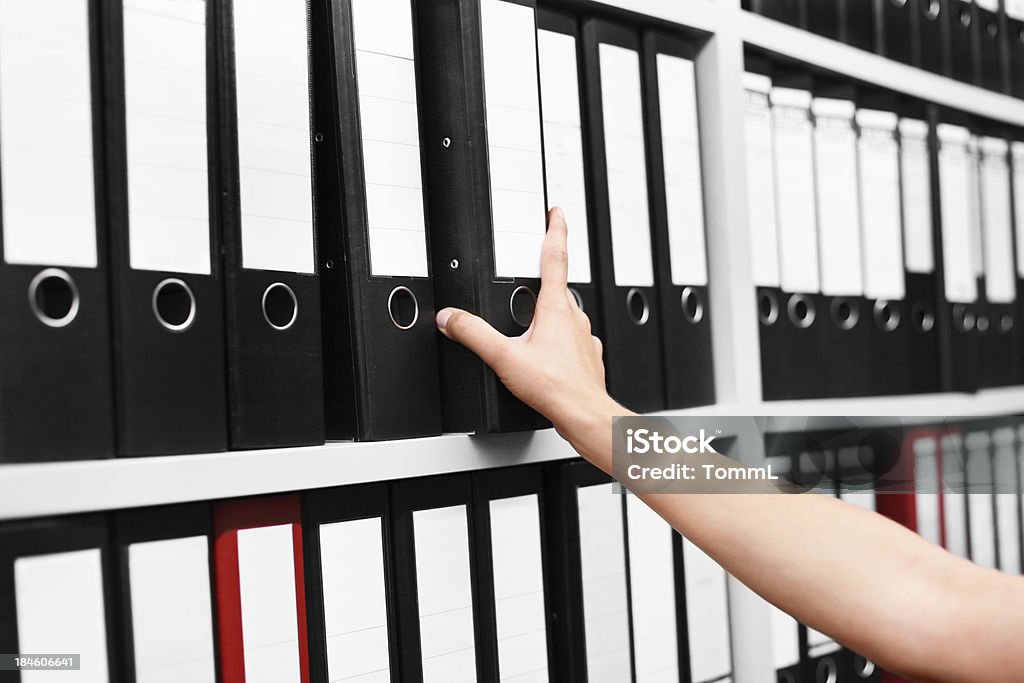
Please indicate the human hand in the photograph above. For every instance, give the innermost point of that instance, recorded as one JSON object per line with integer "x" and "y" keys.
{"x": 555, "y": 367}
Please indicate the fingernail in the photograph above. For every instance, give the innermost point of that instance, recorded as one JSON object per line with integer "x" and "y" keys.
{"x": 559, "y": 212}
{"x": 442, "y": 318}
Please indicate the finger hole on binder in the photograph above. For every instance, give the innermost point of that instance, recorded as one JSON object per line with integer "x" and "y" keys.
{"x": 636, "y": 306}
{"x": 521, "y": 305}
{"x": 922, "y": 317}
{"x": 845, "y": 313}
{"x": 887, "y": 315}
{"x": 863, "y": 667}
{"x": 174, "y": 304}
{"x": 826, "y": 671}
{"x": 982, "y": 323}
{"x": 576, "y": 297}
{"x": 965, "y": 17}
{"x": 768, "y": 308}
{"x": 280, "y": 307}
{"x": 963, "y": 318}
{"x": 898, "y": 3}
{"x": 801, "y": 311}
{"x": 693, "y": 305}
{"x": 403, "y": 308}
{"x": 53, "y": 297}
{"x": 1006, "y": 322}
{"x": 931, "y": 8}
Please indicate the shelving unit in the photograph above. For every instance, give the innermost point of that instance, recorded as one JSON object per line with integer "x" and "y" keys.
{"x": 74, "y": 487}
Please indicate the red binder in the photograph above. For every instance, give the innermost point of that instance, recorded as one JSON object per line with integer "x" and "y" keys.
{"x": 903, "y": 507}
{"x": 238, "y": 579}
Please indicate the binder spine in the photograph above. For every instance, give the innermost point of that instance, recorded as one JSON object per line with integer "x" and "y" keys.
{"x": 168, "y": 363}
{"x": 56, "y": 394}
{"x": 274, "y": 358}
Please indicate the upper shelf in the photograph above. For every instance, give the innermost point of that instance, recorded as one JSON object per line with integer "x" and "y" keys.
{"x": 72, "y": 487}
{"x": 868, "y": 67}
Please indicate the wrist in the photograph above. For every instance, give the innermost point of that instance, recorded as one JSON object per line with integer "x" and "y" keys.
{"x": 587, "y": 427}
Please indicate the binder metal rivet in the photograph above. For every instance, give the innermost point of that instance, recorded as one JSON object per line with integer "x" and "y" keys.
{"x": 446, "y": 143}
{"x": 280, "y": 306}
{"x": 174, "y": 304}
{"x": 454, "y": 264}
{"x": 319, "y": 137}
{"x": 53, "y": 297}
{"x": 963, "y": 317}
{"x": 403, "y": 308}
{"x": 932, "y": 11}
{"x": 329, "y": 264}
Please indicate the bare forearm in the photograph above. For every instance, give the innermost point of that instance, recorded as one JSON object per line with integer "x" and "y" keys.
{"x": 864, "y": 580}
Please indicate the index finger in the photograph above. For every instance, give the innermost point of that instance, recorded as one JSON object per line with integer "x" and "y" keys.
{"x": 554, "y": 256}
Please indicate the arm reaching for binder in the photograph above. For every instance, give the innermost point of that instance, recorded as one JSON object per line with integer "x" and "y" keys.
{"x": 866, "y": 581}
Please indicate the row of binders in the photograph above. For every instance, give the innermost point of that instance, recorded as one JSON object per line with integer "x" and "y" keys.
{"x": 974, "y": 41}
{"x": 883, "y": 234}
{"x": 524, "y": 574}
{"x": 228, "y": 225}
{"x": 964, "y": 491}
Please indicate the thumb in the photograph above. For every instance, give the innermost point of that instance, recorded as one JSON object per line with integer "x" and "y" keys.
{"x": 473, "y": 332}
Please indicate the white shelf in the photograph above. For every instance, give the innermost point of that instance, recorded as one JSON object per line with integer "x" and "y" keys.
{"x": 861, "y": 65}
{"x": 33, "y": 490}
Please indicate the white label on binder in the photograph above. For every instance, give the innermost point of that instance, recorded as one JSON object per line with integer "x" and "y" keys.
{"x": 954, "y": 505}
{"x": 386, "y": 74}
{"x": 684, "y": 193}
{"x": 512, "y": 94}
{"x": 46, "y": 147}
{"x": 990, "y": 5}
{"x": 1000, "y": 278}
{"x": 519, "y": 589}
{"x": 916, "y": 196}
{"x": 974, "y": 199}
{"x": 445, "y": 595}
{"x": 954, "y": 182}
{"x": 761, "y": 189}
{"x": 172, "y": 613}
{"x": 165, "y": 119}
{"x": 785, "y": 638}
{"x": 1005, "y": 478}
{"x": 266, "y": 586}
{"x": 355, "y": 600}
{"x": 1018, "y": 203}
{"x": 603, "y": 563}
{"x": 626, "y": 160}
{"x": 981, "y": 513}
{"x": 59, "y": 603}
{"x": 707, "y": 614}
{"x": 794, "y": 188}
{"x": 274, "y": 154}
{"x": 1015, "y": 9}
{"x": 835, "y": 148}
{"x": 653, "y": 595}
{"x": 563, "y": 144}
{"x": 880, "y": 215}
{"x": 926, "y": 497}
